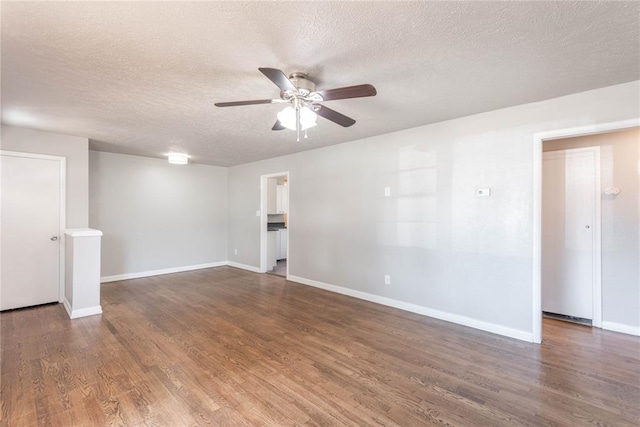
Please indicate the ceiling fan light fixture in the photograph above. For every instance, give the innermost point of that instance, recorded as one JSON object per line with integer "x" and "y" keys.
{"x": 287, "y": 118}
{"x": 299, "y": 91}
{"x": 178, "y": 158}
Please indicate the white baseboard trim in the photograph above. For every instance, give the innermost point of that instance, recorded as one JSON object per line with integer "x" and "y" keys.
{"x": 127, "y": 276}
{"x": 244, "y": 267}
{"x": 83, "y": 312}
{"x": 619, "y": 327}
{"x": 418, "y": 309}
{"x": 67, "y": 307}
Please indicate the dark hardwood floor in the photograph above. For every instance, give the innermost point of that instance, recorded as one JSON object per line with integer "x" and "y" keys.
{"x": 226, "y": 347}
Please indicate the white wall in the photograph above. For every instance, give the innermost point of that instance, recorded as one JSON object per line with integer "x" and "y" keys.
{"x": 156, "y": 216}
{"x": 619, "y": 167}
{"x": 75, "y": 149}
{"x": 467, "y": 258}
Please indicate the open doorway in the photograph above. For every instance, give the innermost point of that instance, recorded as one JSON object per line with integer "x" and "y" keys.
{"x": 577, "y": 174}
{"x": 275, "y": 218}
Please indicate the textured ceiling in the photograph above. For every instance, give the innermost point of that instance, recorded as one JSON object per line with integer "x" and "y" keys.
{"x": 142, "y": 77}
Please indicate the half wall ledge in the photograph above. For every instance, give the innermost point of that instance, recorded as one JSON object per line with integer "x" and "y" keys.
{"x": 82, "y": 272}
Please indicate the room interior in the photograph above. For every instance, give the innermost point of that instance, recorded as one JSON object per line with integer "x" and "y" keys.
{"x": 401, "y": 205}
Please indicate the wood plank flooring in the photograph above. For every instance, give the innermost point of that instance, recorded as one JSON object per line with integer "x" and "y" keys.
{"x": 226, "y": 347}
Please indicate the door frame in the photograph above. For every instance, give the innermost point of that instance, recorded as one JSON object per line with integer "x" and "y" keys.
{"x": 264, "y": 219}
{"x": 62, "y": 162}
{"x": 538, "y": 139}
{"x": 596, "y": 254}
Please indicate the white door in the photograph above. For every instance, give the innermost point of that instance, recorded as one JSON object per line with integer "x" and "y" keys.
{"x": 569, "y": 245}
{"x": 30, "y": 231}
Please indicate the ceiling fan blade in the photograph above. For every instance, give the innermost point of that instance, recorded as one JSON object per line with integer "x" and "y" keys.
{"x": 335, "y": 117}
{"x": 278, "y": 126}
{"x": 358, "y": 91}
{"x": 279, "y": 78}
{"x": 257, "y": 101}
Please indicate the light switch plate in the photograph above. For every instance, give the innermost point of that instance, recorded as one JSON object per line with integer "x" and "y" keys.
{"x": 387, "y": 191}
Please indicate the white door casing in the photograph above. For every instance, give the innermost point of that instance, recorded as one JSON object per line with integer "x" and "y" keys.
{"x": 570, "y": 219}
{"x": 264, "y": 206}
{"x": 536, "y": 276}
{"x": 32, "y": 224}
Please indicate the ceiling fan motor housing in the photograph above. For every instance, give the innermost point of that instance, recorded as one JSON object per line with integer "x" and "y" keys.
{"x": 302, "y": 83}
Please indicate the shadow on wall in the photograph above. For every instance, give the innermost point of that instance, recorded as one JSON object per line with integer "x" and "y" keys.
{"x": 112, "y": 244}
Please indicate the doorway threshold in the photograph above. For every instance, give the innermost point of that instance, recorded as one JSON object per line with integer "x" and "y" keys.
{"x": 578, "y": 320}
{"x": 280, "y": 269}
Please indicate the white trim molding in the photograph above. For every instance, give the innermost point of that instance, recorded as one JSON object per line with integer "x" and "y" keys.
{"x": 82, "y": 232}
{"x": 622, "y": 328}
{"x": 83, "y": 312}
{"x": 244, "y": 267}
{"x": 418, "y": 309}
{"x": 264, "y": 218}
{"x": 106, "y": 279}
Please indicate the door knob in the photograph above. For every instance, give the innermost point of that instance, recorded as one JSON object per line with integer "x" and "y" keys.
{"x": 54, "y": 238}
{"x": 587, "y": 226}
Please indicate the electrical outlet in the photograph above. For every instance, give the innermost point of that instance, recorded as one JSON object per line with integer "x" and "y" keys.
{"x": 235, "y": 252}
{"x": 387, "y": 279}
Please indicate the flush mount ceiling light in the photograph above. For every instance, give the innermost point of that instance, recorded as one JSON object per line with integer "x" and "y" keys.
{"x": 304, "y": 101}
{"x": 178, "y": 158}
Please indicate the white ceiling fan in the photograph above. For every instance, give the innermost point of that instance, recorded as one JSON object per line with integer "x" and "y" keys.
{"x": 304, "y": 101}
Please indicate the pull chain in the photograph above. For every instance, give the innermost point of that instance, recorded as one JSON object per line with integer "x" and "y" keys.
{"x": 298, "y": 122}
